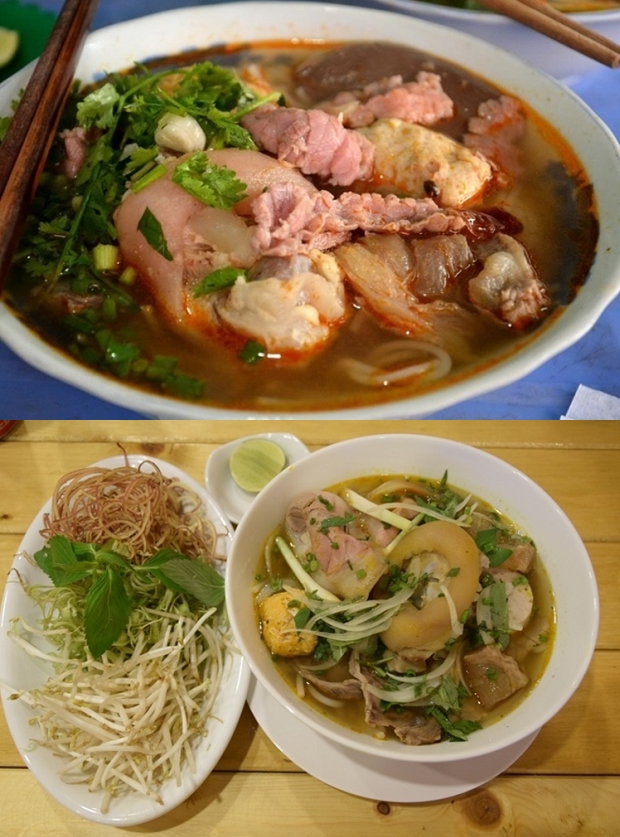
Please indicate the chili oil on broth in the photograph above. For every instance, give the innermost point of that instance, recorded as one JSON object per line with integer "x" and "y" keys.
{"x": 560, "y": 231}
{"x": 351, "y": 714}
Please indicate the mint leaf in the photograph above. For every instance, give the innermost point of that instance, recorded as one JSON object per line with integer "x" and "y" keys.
{"x": 152, "y": 230}
{"x": 456, "y": 730}
{"x": 217, "y": 280}
{"x": 106, "y": 612}
{"x": 59, "y": 561}
{"x": 216, "y": 186}
{"x": 194, "y": 577}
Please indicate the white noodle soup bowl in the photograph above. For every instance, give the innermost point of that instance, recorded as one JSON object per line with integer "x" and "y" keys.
{"x": 512, "y": 493}
{"x": 120, "y": 46}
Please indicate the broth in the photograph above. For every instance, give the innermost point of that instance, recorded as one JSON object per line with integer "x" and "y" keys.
{"x": 135, "y": 340}
{"x": 275, "y": 574}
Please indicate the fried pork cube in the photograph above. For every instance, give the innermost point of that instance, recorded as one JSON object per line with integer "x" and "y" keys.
{"x": 277, "y": 617}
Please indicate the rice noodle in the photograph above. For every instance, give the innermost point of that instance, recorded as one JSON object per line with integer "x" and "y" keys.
{"x": 139, "y": 507}
{"x": 380, "y": 369}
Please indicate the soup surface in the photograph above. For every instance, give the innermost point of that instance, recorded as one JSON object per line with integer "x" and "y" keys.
{"x": 399, "y": 606}
{"x": 301, "y": 226}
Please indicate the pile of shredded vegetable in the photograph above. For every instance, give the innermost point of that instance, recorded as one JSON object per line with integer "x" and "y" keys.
{"x": 139, "y": 507}
{"x": 131, "y": 719}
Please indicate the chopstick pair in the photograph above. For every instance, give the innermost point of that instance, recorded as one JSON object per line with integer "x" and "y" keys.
{"x": 539, "y": 15}
{"x": 30, "y": 134}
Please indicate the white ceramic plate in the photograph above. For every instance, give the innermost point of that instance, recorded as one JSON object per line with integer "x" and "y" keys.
{"x": 118, "y": 46}
{"x": 233, "y": 500}
{"x": 371, "y": 777}
{"x": 20, "y": 671}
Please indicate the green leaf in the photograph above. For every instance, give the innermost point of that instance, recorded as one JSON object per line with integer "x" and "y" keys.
{"x": 217, "y": 280}
{"x": 196, "y": 578}
{"x": 215, "y": 186}
{"x": 106, "y": 612}
{"x": 152, "y": 230}
{"x": 486, "y": 541}
{"x": 98, "y": 108}
{"x": 252, "y": 352}
{"x": 59, "y": 561}
{"x": 301, "y": 617}
{"x": 456, "y": 730}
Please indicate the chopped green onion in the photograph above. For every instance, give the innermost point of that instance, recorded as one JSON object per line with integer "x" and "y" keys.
{"x": 105, "y": 256}
{"x": 307, "y": 582}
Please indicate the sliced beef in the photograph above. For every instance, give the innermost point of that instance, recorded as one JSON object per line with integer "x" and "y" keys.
{"x": 412, "y": 726}
{"x": 290, "y": 221}
{"x": 422, "y": 101}
{"x": 492, "y": 676}
{"x": 496, "y": 132}
{"x": 313, "y": 141}
{"x": 349, "y": 689}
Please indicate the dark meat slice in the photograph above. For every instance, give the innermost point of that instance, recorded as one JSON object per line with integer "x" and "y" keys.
{"x": 349, "y": 689}
{"x": 492, "y": 676}
{"x": 313, "y": 141}
{"x": 412, "y": 726}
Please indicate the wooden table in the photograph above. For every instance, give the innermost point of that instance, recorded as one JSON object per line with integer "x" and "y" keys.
{"x": 567, "y": 783}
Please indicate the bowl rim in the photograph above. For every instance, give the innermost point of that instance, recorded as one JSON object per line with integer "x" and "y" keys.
{"x": 549, "y": 340}
{"x": 476, "y": 746}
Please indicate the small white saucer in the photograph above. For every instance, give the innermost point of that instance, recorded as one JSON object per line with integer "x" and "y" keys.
{"x": 376, "y": 778}
{"x": 234, "y": 501}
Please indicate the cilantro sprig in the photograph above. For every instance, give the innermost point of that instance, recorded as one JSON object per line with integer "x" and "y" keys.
{"x": 102, "y": 572}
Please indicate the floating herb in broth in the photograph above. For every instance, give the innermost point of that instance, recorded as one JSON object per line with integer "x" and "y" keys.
{"x": 209, "y": 336}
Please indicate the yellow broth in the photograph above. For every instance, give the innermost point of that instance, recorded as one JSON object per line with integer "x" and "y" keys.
{"x": 351, "y": 714}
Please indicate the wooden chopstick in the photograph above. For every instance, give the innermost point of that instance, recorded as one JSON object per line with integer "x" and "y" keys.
{"x": 539, "y": 15}
{"x": 29, "y": 137}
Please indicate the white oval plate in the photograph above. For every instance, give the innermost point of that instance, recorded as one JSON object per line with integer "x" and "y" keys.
{"x": 20, "y": 671}
{"x": 234, "y": 500}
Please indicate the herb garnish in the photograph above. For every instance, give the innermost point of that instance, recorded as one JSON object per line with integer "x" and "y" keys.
{"x": 101, "y": 570}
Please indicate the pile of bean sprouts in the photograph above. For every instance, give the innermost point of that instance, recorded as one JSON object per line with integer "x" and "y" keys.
{"x": 139, "y": 507}
{"x": 130, "y": 720}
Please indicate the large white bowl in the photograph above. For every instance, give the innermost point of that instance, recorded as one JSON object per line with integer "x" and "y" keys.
{"x": 544, "y": 53}
{"x": 119, "y": 46}
{"x": 507, "y": 489}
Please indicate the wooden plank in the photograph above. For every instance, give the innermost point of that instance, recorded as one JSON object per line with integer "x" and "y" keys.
{"x": 583, "y": 434}
{"x": 565, "y": 745}
{"x": 582, "y": 482}
{"x": 278, "y": 805}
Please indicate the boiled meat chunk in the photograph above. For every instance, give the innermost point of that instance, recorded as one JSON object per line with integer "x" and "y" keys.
{"x": 492, "y": 675}
{"x": 199, "y": 238}
{"x": 409, "y": 157}
{"x": 507, "y": 286}
{"x": 286, "y": 313}
{"x": 314, "y": 524}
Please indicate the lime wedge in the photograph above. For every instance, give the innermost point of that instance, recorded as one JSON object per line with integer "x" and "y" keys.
{"x": 9, "y": 41}
{"x": 255, "y": 462}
